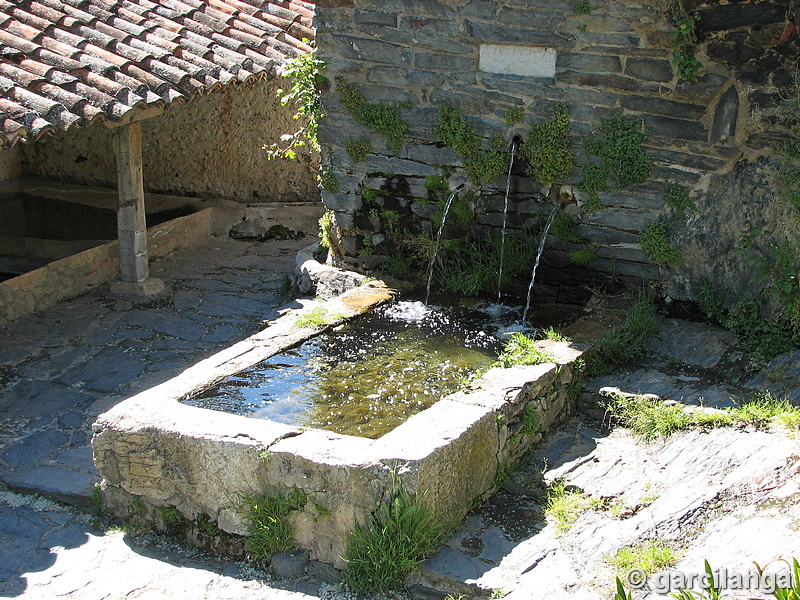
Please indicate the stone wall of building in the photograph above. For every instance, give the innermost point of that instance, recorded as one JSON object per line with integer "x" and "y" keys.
{"x": 10, "y": 164}
{"x": 488, "y": 57}
{"x": 210, "y": 147}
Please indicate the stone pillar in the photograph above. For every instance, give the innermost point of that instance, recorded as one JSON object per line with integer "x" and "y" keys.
{"x": 131, "y": 227}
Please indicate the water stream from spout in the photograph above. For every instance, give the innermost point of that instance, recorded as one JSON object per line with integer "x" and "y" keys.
{"x": 505, "y": 216}
{"x": 536, "y": 263}
{"x": 436, "y": 245}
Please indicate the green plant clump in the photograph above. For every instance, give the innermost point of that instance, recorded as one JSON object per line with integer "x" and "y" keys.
{"x": 683, "y": 39}
{"x": 380, "y": 117}
{"x": 623, "y": 343}
{"x": 326, "y": 230}
{"x": 515, "y": 115}
{"x": 521, "y": 350}
{"x": 328, "y": 182}
{"x": 357, "y": 150}
{"x": 269, "y": 524}
{"x": 305, "y": 73}
{"x": 547, "y": 147}
{"x": 679, "y": 200}
{"x": 315, "y": 318}
{"x": 480, "y": 163}
{"x": 619, "y": 148}
{"x": 397, "y": 536}
{"x": 650, "y": 556}
{"x": 584, "y": 8}
{"x": 565, "y": 506}
{"x": 652, "y": 419}
{"x": 471, "y": 267}
{"x": 657, "y": 246}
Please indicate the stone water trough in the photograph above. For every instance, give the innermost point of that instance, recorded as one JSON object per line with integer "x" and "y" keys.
{"x": 154, "y": 451}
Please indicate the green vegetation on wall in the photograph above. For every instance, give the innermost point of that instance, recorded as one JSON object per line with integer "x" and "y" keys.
{"x": 657, "y": 246}
{"x": 357, "y": 150}
{"x": 547, "y": 147}
{"x": 682, "y": 40}
{"x": 619, "y": 148}
{"x": 379, "y": 116}
{"x": 481, "y": 161}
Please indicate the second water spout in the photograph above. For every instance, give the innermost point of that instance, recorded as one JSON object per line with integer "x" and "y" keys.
{"x": 538, "y": 257}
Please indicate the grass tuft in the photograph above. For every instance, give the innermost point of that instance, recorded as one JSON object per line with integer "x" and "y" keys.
{"x": 521, "y": 350}
{"x": 269, "y": 524}
{"x": 624, "y": 343}
{"x": 397, "y": 536}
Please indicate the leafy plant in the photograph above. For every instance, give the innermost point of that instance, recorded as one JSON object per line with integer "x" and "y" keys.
{"x": 621, "y": 593}
{"x": 679, "y": 200}
{"x": 619, "y": 148}
{"x": 652, "y": 419}
{"x": 480, "y": 162}
{"x": 305, "y": 73}
{"x": 515, "y": 115}
{"x": 380, "y": 117}
{"x": 397, "y": 536}
{"x": 547, "y": 147}
{"x": 530, "y": 420}
{"x": 328, "y": 181}
{"x": 471, "y": 267}
{"x": 326, "y": 231}
{"x": 657, "y": 246}
{"x": 521, "y": 350}
{"x": 683, "y": 39}
{"x": 792, "y": 591}
{"x": 583, "y": 8}
{"x": 583, "y": 256}
{"x": 317, "y": 317}
{"x": 357, "y": 150}
{"x": 269, "y": 524}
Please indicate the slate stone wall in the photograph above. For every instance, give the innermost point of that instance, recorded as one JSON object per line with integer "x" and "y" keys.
{"x": 210, "y": 147}
{"x": 617, "y": 59}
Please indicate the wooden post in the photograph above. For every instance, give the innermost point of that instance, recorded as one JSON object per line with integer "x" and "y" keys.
{"x": 131, "y": 227}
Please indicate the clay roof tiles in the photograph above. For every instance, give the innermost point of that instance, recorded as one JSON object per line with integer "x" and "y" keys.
{"x": 66, "y": 63}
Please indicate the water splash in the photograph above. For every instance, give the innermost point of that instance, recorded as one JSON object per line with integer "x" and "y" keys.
{"x": 536, "y": 263}
{"x": 436, "y": 245}
{"x": 505, "y": 215}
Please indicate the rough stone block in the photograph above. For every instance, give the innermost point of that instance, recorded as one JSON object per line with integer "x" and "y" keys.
{"x": 591, "y": 63}
{"x": 372, "y": 50}
{"x": 448, "y": 62}
{"x": 672, "y": 128}
{"x": 649, "y": 69}
{"x": 660, "y": 106}
{"x": 400, "y": 76}
{"x": 374, "y": 17}
{"x": 500, "y": 34}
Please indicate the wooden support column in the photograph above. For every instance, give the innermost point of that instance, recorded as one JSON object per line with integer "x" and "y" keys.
{"x": 131, "y": 227}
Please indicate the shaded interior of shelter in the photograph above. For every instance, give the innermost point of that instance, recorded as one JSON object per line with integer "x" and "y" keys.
{"x": 45, "y": 221}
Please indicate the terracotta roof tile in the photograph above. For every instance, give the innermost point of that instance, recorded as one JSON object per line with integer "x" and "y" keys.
{"x": 72, "y": 62}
